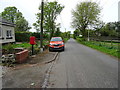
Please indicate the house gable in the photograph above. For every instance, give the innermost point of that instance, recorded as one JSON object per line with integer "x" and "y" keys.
{"x": 7, "y": 33}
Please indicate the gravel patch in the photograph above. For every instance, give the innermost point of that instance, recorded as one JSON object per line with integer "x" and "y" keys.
{"x": 29, "y": 74}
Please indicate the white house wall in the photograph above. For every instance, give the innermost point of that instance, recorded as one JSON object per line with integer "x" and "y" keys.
{"x": 4, "y": 30}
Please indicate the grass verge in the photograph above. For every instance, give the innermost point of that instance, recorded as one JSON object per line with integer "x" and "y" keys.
{"x": 66, "y": 39}
{"x": 106, "y": 48}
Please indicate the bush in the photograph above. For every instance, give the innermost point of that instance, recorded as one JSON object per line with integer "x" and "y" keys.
{"x": 36, "y": 50}
{"x": 37, "y": 35}
{"x": 80, "y": 39}
{"x": 8, "y": 49}
{"x": 65, "y": 39}
{"x": 25, "y": 36}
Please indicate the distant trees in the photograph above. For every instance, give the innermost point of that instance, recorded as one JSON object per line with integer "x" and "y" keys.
{"x": 76, "y": 33}
{"x": 57, "y": 32}
{"x": 110, "y": 29}
{"x": 13, "y": 15}
{"x": 51, "y": 11}
{"x": 85, "y": 20}
{"x": 66, "y": 34}
{"x": 85, "y": 14}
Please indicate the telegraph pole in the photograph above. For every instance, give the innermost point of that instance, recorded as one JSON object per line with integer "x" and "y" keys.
{"x": 65, "y": 33}
{"x": 88, "y": 36}
{"x": 41, "y": 34}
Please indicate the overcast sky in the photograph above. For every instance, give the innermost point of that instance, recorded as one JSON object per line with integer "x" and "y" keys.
{"x": 29, "y": 8}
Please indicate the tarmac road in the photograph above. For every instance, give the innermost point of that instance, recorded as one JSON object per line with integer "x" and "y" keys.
{"x": 82, "y": 67}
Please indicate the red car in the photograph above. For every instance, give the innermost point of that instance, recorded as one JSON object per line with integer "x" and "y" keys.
{"x": 56, "y": 43}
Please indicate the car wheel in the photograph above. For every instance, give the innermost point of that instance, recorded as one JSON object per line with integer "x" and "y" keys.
{"x": 63, "y": 49}
{"x": 50, "y": 50}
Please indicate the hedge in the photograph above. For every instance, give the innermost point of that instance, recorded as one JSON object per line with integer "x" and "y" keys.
{"x": 24, "y": 36}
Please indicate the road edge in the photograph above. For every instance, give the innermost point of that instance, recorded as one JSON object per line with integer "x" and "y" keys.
{"x": 56, "y": 54}
{"x": 47, "y": 75}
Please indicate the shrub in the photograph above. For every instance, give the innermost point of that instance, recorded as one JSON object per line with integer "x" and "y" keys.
{"x": 36, "y": 50}
{"x": 8, "y": 48}
{"x": 37, "y": 35}
{"x": 80, "y": 39}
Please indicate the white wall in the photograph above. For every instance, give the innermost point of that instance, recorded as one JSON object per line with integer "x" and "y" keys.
{"x": 4, "y": 29}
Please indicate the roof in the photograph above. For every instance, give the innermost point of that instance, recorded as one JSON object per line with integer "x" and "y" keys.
{"x": 6, "y": 22}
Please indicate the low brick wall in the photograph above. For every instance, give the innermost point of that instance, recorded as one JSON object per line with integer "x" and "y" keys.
{"x": 21, "y": 56}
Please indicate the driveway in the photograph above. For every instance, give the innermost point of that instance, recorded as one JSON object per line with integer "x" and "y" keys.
{"x": 29, "y": 74}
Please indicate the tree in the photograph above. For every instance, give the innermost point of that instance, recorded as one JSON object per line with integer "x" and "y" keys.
{"x": 57, "y": 32}
{"x": 109, "y": 29}
{"x": 76, "y": 33}
{"x": 9, "y": 14}
{"x": 68, "y": 34}
{"x": 51, "y": 11}
{"x": 22, "y": 25}
{"x": 86, "y": 14}
{"x": 117, "y": 27}
{"x": 13, "y": 15}
{"x": 98, "y": 28}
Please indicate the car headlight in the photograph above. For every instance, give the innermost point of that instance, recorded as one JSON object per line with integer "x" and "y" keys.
{"x": 62, "y": 44}
{"x": 51, "y": 44}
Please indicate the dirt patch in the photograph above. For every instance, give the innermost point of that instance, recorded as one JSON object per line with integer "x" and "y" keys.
{"x": 38, "y": 59}
{"x": 29, "y": 74}
{"x": 41, "y": 57}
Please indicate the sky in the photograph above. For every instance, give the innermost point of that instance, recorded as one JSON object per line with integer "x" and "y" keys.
{"x": 29, "y": 8}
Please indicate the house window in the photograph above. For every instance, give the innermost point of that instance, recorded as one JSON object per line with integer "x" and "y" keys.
{"x": 9, "y": 34}
{"x": 0, "y": 32}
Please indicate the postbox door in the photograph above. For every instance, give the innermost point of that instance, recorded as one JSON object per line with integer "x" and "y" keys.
{"x": 32, "y": 40}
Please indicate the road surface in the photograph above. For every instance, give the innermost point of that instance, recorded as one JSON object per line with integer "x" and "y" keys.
{"x": 82, "y": 67}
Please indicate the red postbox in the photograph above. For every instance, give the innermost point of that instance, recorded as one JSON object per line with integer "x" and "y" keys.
{"x": 32, "y": 40}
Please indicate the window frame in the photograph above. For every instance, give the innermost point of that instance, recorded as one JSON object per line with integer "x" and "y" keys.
{"x": 0, "y": 32}
{"x": 9, "y": 34}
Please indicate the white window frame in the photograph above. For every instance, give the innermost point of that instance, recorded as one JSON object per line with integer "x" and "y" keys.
{"x": 8, "y": 33}
{"x": 0, "y": 32}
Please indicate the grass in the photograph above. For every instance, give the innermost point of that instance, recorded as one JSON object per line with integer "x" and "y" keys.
{"x": 24, "y": 45}
{"x": 104, "y": 47}
{"x": 66, "y": 39}
{"x": 9, "y": 48}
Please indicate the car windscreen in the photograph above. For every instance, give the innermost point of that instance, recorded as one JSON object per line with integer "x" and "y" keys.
{"x": 56, "y": 39}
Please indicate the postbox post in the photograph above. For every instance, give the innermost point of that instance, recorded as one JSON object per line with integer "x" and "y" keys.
{"x": 32, "y": 49}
